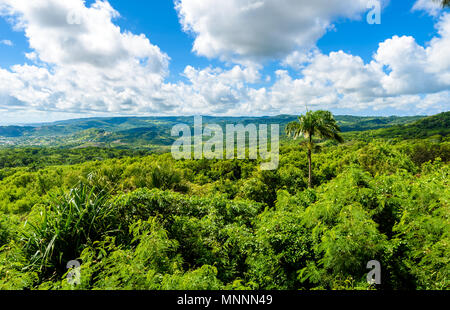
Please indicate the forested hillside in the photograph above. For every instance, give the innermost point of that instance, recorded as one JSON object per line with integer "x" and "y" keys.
{"x": 145, "y": 221}
{"x": 152, "y": 132}
{"x": 435, "y": 126}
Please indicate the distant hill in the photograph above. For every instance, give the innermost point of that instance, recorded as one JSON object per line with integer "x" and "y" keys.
{"x": 437, "y": 125}
{"x": 152, "y": 132}
{"x": 353, "y": 123}
{"x": 15, "y": 131}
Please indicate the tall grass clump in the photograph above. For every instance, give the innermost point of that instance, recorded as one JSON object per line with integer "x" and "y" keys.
{"x": 70, "y": 223}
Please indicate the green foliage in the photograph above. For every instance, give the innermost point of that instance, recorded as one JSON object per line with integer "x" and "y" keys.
{"x": 8, "y": 229}
{"x": 39, "y": 157}
{"x": 141, "y": 265}
{"x": 284, "y": 246}
{"x": 150, "y": 222}
{"x": 62, "y": 230}
{"x": 204, "y": 278}
{"x": 256, "y": 190}
{"x": 424, "y": 229}
{"x": 421, "y": 129}
{"x": 150, "y": 175}
{"x": 319, "y": 123}
{"x": 382, "y": 159}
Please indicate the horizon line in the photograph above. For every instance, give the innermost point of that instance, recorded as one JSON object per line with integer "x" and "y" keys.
{"x": 191, "y": 116}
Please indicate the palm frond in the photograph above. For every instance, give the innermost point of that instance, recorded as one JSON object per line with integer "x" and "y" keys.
{"x": 294, "y": 130}
{"x": 444, "y": 3}
{"x": 327, "y": 127}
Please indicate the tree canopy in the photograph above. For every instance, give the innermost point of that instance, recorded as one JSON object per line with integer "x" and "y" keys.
{"x": 147, "y": 221}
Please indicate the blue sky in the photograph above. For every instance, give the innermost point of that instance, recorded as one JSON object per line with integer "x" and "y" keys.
{"x": 158, "y": 20}
{"x": 208, "y": 58}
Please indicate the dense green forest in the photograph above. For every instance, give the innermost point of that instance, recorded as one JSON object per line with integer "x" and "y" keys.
{"x": 140, "y": 220}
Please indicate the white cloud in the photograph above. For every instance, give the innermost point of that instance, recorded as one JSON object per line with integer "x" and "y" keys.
{"x": 95, "y": 41}
{"x": 254, "y": 29}
{"x": 300, "y": 58}
{"x": 402, "y": 75}
{"x": 416, "y": 69}
{"x": 439, "y": 49}
{"x": 408, "y": 66}
{"x": 82, "y": 62}
{"x": 89, "y": 65}
{"x": 7, "y": 42}
{"x": 211, "y": 90}
{"x": 432, "y": 7}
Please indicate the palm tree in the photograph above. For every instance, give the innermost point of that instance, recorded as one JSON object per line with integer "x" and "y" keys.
{"x": 445, "y": 3}
{"x": 319, "y": 123}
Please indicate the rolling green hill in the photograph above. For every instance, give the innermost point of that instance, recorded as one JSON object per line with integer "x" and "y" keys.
{"x": 155, "y": 132}
{"x": 437, "y": 125}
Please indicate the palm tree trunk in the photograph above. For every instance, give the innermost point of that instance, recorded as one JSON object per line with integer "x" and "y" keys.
{"x": 310, "y": 168}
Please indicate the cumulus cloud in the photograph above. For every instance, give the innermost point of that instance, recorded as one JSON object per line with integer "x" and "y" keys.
{"x": 260, "y": 28}
{"x": 402, "y": 75}
{"x": 7, "y": 42}
{"x": 83, "y": 61}
{"x": 211, "y": 90}
{"x": 416, "y": 69}
{"x": 432, "y": 7}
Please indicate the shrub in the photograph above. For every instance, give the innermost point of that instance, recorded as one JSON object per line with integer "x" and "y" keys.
{"x": 66, "y": 227}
